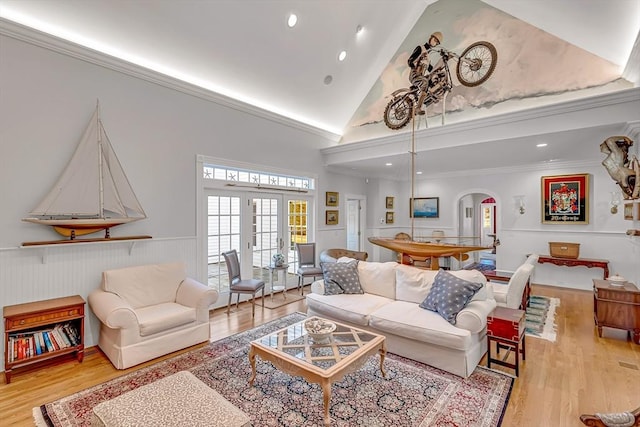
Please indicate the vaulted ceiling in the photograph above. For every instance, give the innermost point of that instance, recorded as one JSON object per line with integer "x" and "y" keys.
{"x": 244, "y": 50}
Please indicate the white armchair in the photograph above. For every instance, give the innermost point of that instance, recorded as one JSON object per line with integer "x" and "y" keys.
{"x": 512, "y": 291}
{"x": 149, "y": 311}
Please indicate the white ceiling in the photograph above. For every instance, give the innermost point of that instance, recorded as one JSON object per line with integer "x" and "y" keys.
{"x": 243, "y": 49}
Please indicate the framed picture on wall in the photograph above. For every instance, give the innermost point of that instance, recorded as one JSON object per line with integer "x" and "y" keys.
{"x": 332, "y": 198}
{"x": 389, "y": 218}
{"x": 389, "y": 202}
{"x": 565, "y": 199}
{"x": 331, "y": 217}
{"x": 424, "y": 207}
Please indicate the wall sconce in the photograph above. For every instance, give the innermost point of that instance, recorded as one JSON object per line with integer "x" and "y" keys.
{"x": 519, "y": 203}
{"x": 616, "y": 198}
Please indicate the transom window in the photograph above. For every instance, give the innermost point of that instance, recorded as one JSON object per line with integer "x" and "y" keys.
{"x": 274, "y": 180}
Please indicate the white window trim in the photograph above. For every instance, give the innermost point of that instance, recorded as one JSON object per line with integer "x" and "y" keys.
{"x": 203, "y": 184}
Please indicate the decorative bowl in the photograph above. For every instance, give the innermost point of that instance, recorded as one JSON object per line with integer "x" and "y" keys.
{"x": 319, "y": 330}
{"x": 278, "y": 260}
{"x": 616, "y": 280}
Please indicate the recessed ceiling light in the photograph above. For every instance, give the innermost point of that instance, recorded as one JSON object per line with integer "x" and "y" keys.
{"x": 419, "y": 173}
{"x": 328, "y": 79}
{"x": 359, "y": 29}
{"x": 388, "y": 164}
{"x": 543, "y": 144}
{"x": 342, "y": 55}
{"x": 293, "y": 19}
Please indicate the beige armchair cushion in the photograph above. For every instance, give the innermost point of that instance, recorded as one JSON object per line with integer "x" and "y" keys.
{"x": 151, "y": 285}
{"x": 161, "y": 317}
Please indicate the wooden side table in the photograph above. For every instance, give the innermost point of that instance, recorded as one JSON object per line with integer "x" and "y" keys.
{"x": 617, "y": 307}
{"x": 505, "y": 327}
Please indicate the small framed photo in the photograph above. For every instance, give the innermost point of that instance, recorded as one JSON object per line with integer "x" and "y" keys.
{"x": 389, "y": 218}
{"x": 565, "y": 199}
{"x": 389, "y": 202}
{"x": 331, "y": 217}
{"x": 332, "y": 198}
{"x": 425, "y": 207}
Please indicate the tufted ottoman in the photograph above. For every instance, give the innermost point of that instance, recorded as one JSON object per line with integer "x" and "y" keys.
{"x": 177, "y": 400}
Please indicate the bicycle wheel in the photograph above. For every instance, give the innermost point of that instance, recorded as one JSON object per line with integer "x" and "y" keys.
{"x": 398, "y": 111}
{"x": 477, "y": 63}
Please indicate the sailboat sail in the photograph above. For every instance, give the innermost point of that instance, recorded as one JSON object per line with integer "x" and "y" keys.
{"x": 93, "y": 193}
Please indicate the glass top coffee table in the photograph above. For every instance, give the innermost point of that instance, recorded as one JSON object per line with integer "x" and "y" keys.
{"x": 292, "y": 350}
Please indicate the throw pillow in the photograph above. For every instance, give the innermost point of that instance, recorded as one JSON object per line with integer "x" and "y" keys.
{"x": 449, "y": 294}
{"x": 341, "y": 278}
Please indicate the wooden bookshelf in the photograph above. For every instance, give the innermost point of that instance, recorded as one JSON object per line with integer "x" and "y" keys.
{"x": 27, "y": 325}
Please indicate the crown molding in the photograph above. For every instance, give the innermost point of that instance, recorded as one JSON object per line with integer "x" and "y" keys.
{"x": 55, "y": 44}
{"x": 632, "y": 69}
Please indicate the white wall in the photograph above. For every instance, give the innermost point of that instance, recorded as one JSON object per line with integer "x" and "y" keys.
{"x": 46, "y": 100}
{"x": 603, "y": 238}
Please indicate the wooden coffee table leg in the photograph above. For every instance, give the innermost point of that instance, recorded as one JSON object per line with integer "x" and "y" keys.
{"x": 326, "y": 398}
{"x": 383, "y": 353}
{"x": 252, "y": 361}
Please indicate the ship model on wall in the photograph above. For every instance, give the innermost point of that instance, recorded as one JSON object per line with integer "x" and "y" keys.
{"x": 92, "y": 194}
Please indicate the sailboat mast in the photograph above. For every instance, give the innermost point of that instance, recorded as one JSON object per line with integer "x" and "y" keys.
{"x": 100, "y": 160}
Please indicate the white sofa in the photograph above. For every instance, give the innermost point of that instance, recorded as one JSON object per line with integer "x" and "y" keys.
{"x": 390, "y": 306}
{"x": 150, "y": 310}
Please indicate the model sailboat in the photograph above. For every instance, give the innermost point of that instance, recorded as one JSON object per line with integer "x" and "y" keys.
{"x": 93, "y": 193}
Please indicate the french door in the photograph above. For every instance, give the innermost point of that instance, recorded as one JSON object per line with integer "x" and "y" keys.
{"x": 257, "y": 226}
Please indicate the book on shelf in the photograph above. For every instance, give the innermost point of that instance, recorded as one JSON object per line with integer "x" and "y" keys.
{"x": 47, "y": 341}
{"x": 29, "y": 343}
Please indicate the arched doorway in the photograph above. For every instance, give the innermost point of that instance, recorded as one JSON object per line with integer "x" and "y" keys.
{"x": 478, "y": 224}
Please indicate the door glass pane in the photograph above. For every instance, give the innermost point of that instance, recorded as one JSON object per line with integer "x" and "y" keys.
{"x": 265, "y": 233}
{"x": 297, "y": 224}
{"x": 223, "y": 234}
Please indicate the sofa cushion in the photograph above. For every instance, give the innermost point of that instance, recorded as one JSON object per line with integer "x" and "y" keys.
{"x": 474, "y": 276}
{"x": 162, "y": 317}
{"x": 378, "y": 278}
{"x": 354, "y": 309}
{"x": 407, "y": 319}
{"x": 413, "y": 284}
{"x": 341, "y": 277}
{"x": 449, "y": 294}
{"x": 145, "y": 285}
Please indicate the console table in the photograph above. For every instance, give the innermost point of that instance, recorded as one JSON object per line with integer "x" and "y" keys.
{"x": 617, "y": 307}
{"x": 571, "y": 262}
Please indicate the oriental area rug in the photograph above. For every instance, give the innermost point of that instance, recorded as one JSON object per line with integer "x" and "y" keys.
{"x": 412, "y": 394}
{"x": 540, "y": 317}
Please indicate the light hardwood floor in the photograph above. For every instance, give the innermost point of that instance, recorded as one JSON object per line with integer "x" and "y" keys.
{"x": 579, "y": 373}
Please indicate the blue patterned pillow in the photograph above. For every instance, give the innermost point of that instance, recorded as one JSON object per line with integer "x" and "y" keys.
{"x": 449, "y": 294}
{"x": 341, "y": 278}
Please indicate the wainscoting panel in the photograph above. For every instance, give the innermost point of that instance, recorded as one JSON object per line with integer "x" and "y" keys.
{"x": 43, "y": 272}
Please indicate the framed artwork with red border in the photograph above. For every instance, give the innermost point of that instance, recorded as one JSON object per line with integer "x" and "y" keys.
{"x": 565, "y": 199}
